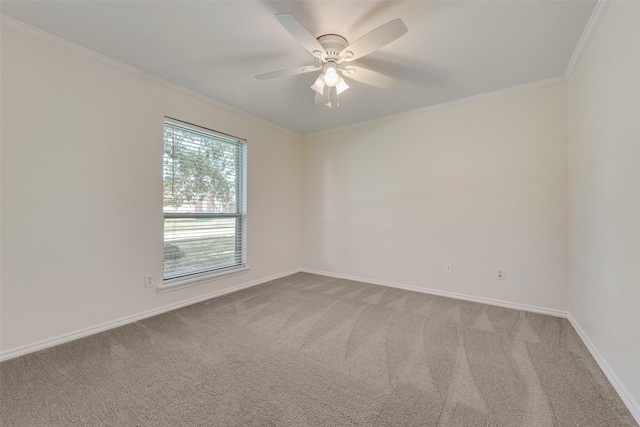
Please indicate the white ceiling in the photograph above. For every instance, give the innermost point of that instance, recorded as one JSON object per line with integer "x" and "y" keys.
{"x": 453, "y": 49}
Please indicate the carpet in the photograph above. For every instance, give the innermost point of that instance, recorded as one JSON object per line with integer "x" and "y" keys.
{"x": 309, "y": 350}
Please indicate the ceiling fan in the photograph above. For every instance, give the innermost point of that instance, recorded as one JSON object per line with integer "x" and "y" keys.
{"x": 333, "y": 55}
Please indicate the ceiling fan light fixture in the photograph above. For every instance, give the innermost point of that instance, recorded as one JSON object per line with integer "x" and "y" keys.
{"x": 332, "y": 51}
{"x": 341, "y": 86}
{"x": 330, "y": 74}
{"x": 319, "y": 85}
{"x": 331, "y": 77}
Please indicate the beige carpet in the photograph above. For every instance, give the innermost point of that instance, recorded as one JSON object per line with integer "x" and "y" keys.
{"x": 309, "y": 350}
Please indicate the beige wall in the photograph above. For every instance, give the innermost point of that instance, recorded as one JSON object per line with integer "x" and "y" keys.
{"x": 82, "y": 190}
{"x": 482, "y": 185}
{"x": 604, "y": 195}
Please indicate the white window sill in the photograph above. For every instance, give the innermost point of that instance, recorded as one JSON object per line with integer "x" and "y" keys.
{"x": 197, "y": 279}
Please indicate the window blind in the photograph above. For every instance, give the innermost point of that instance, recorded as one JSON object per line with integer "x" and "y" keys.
{"x": 204, "y": 198}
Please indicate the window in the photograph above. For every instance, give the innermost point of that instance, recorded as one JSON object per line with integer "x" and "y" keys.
{"x": 204, "y": 203}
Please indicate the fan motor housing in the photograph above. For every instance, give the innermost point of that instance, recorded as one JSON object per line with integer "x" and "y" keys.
{"x": 333, "y": 44}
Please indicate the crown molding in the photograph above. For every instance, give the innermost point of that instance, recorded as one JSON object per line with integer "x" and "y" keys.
{"x": 587, "y": 34}
{"x": 447, "y": 104}
{"x": 28, "y": 29}
{"x": 583, "y": 43}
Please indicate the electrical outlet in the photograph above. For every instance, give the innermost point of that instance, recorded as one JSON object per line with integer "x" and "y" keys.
{"x": 148, "y": 281}
{"x": 448, "y": 267}
{"x": 500, "y": 274}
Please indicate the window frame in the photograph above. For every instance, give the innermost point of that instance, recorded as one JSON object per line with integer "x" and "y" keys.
{"x": 199, "y": 276}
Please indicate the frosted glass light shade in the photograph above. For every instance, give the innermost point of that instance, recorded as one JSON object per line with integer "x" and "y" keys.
{"x": 341, "y": 86}
{"x": 318, "y": 85}
{"x": 331, "y": 77}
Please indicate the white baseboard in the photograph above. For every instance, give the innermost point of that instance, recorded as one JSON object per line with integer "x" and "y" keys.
{"x": 515, "y": 306}
{"x": 61, "y": 339}
{"x": 626, "y": 397}
{"x": 624, "y": 394}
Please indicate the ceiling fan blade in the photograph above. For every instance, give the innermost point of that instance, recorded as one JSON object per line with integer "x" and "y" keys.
{"x": 289, "y": 72}
{"x": 369, "y": 77}
{"x": 374, "y": 40}
{"x": 300, "y": 33}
